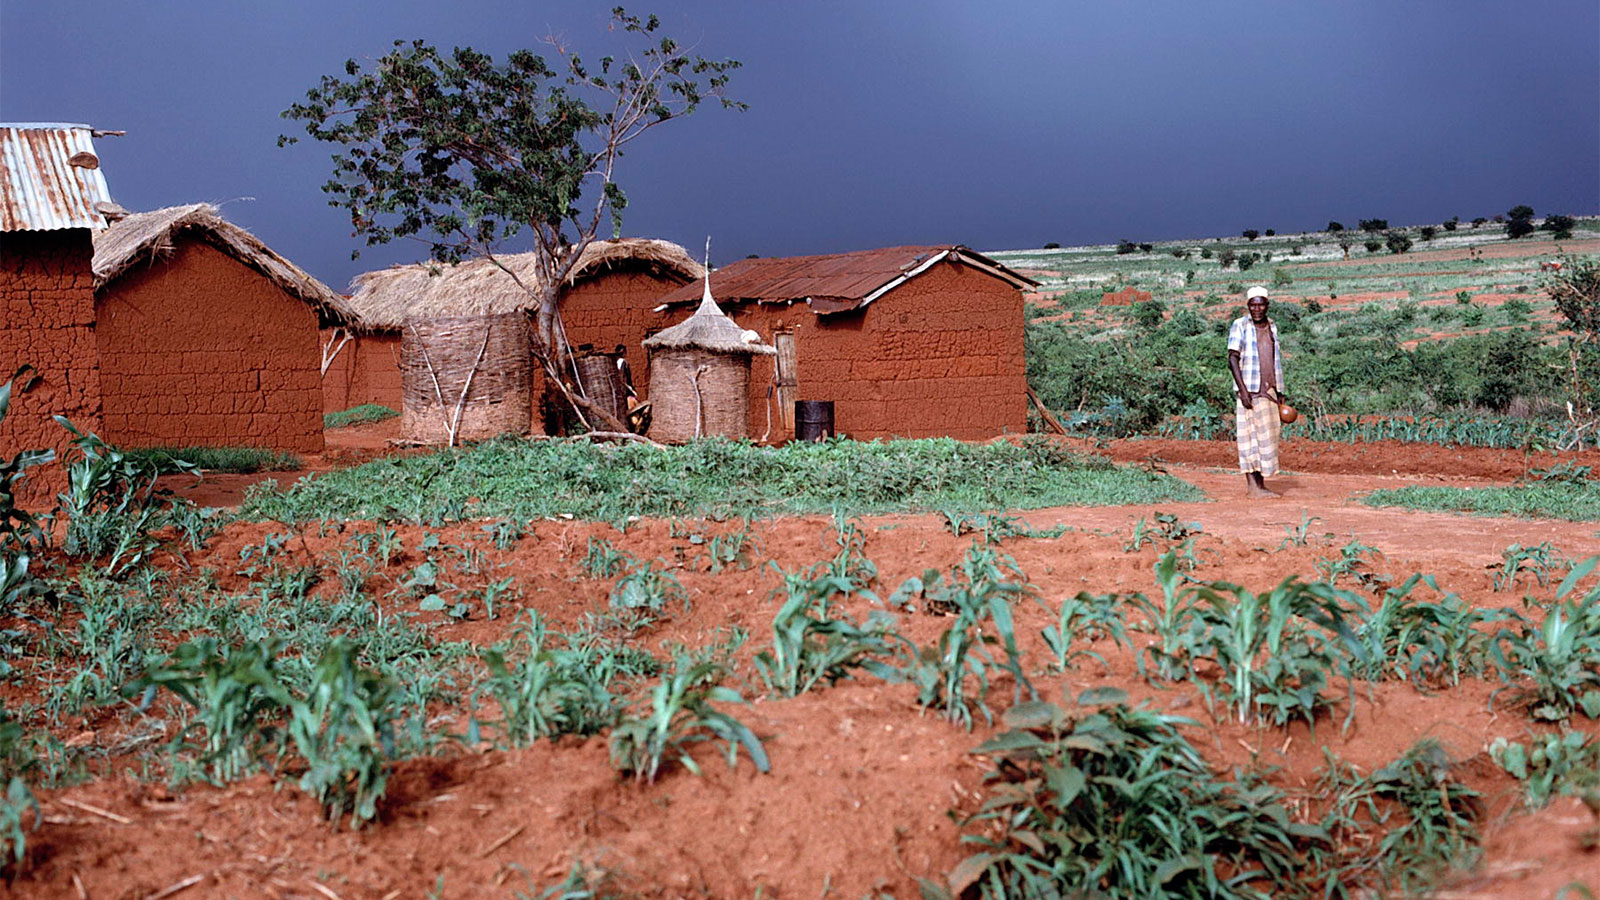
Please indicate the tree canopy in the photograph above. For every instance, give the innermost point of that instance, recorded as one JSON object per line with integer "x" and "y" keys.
{"x": 467, "y": 154}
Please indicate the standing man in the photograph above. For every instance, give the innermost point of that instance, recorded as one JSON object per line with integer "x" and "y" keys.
{"x": 1257, "y": 366}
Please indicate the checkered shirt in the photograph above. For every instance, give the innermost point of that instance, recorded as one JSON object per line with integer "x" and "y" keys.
{"x": 1242, "y": 337}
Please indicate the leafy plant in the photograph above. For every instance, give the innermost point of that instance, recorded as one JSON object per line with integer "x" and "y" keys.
{"x": 680, "y": 714}
{"x": 1088, "y": 618}
{"x": 1554, "y": 667}
{"x": 647, "y": 588}
{"x": 1548, "y": 765}
{"x": 1113, "y": 802}
{"x": 811, "y": 646}
{"x": 980, "y": 590}
{"x": 1538, "y": 561}
{"x": 109, "y": 502}
{"x": 602, "y": 560}
{"x": 544, "y": 692}
{"x": 1425, "y": 643}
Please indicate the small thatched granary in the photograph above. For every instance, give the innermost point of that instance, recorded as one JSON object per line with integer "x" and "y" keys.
{"x": 906, "y": 341}
{"x": 608, "y": 301}
{"x": 700, "y": 376}
{"x": 205, "y": 336}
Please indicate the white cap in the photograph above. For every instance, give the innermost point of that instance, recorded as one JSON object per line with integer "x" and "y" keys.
{"x": 1254, "y": 292}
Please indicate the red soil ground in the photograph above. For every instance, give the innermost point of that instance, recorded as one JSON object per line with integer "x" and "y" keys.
{"x": 861, "y": 780}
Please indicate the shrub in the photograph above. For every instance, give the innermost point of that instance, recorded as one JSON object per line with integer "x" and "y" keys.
{"x": 364, "y": 414}
{"x": 1427, "y": 232}
{"x": 1146, "y": 247}
{"x": 1374, "y": 226}
{"x": 1313, "y": 305}
{"x": 1372, "y": 245}
{"x": 1053, "y": 245}
{"x": 1251, "y": 234}
{"x": 1576, "y": 292}
{"x": 1479, "y": 221}
{"x": 1560, "y": 226}
{"x": 1334, "y": 227}
{"x": 1113, "y": 801}
{"x": 1124, "y": 247}
{"x": 1247, "y": 260}
{"x": 1517, "y": 310}
{"x": 1205, "y": 252}
{"x": 1227, "y": 257}
{"x": 1149, "y": 314}
{"x": 1452, "y": 223}
{"x": 1271, "y": 233}
{"x": 1397, "y": 241}
{"x": 1281, "y": 278}
{"x": 1464, "y": 297}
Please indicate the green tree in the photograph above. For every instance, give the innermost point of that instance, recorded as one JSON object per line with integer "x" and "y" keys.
{"x": 1519, "y": 222}
{"x": 1251, "y": 234}
{"x": 1334, "y": 227}
{"x": 469, "y": 154}
{"x": 1560, "y": 226}
{"x": 1397, "y": 241}
{"x": 1373, "y": 226}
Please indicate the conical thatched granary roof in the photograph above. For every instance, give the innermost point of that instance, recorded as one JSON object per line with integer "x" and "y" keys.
{"x": 709, "y": 329}
{"x": 477, "y": 287}
{"x": 144, "y": 238}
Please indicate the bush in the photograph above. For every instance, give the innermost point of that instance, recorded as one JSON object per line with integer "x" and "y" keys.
{"x": 1227, "y": 257}
{"x": 1479, "y": 221}
{"x": 1397, "y": 241}
{"x": 1281, "y": 278}
{"x": 1146, "y": 247}
{"x": 1251, "y": 234}
{"x": 1246, "y": 260}
{"x": 1125, "y": 247}
{"x": 1374, "y": 226}
{"x": 1313, "y": 305}
{"x": 366, "y": 413}
{"x": 1052, "y": 246}
{"x": 1271, "y": 232}
{"x": 1372, "y": 245}
{"x": 1149, "y": 314}
{"x": 1464, "y": 297}
{"x": 1334, "y": 227}
{"x": 1427, "y": 232}
{"x": 1517, "y": 310}
{"x": 1451, "y": 223}
{"x": 1205, "y": 252}
{"x": 1560, "y": 226}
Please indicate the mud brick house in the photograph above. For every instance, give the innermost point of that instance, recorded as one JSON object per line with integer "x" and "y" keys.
{"x": 906, "y": 341}
{"x": 53, "y": 199}
{"x": 205, "y": 336}
{"x": 609, "y": 301}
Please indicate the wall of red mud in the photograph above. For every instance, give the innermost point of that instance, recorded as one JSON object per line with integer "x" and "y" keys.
{"x": 47, "y": 321}
{"x": 367, "y": 370}
{"x": 200, "y": 349}
{"x": 941, "y": 355}
{"x": 612, "y": 308}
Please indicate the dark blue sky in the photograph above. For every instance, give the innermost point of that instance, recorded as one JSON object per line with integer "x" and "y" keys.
{"x": 998, "y": 125}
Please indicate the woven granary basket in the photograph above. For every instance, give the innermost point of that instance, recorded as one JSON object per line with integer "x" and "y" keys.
{"x": 602, "y": 383}
{"x": 493, "y": 351}
{"x": 691, "y": 385}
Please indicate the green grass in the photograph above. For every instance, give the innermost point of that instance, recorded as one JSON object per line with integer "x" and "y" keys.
{"x": 242, "y": 460}
{"x": 510, "y": 478}
{"x": 1572, "y": 502}
{"x": 364, "y": 414}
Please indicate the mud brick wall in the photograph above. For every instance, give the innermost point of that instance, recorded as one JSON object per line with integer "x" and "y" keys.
{"x": 939, "y": 356}
{"x": 200, "y": 349}
{"x": 619, "y": 308}
{"x": 367, "y": 370}
{"x": 615, "y": 307}
{"x": 47, "y": 321}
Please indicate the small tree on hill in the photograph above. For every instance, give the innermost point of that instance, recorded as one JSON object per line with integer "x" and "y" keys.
{"x": 1519, "y": 222}
{"x": 466, "y": 154}
{"x": 1373, "y": 226}
{"x": 1397, "y": 241}
{"x": 1334, "y": 227}
{"x": 1251, "y": 234}
{"x": 1427, "y": 232}
{"x": 1452, "y": 223}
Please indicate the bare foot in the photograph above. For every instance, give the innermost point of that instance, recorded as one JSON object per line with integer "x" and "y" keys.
{"x": 1262, "y": 493}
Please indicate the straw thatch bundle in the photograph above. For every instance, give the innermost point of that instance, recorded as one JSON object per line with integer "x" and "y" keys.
{"x": 148, "y": 237}
{"x": 465, "y": 377}
{"x": 700, "y": 376}
{"x": 383, "y": 299}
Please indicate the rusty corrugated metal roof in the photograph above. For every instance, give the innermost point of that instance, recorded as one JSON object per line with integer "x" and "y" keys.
{"x": 833, "y": 283}
{"x": 50, "y": 178}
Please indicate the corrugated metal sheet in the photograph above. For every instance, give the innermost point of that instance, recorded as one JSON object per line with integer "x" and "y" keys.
{"x": 832, "y": 283}
{"x": 50, "y": 178}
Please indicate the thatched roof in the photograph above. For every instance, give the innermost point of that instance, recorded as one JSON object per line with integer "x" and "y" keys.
{"x": 144, "y": 238}
{"x": 709, "y": 329}
{"x": 478, "y": 287}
